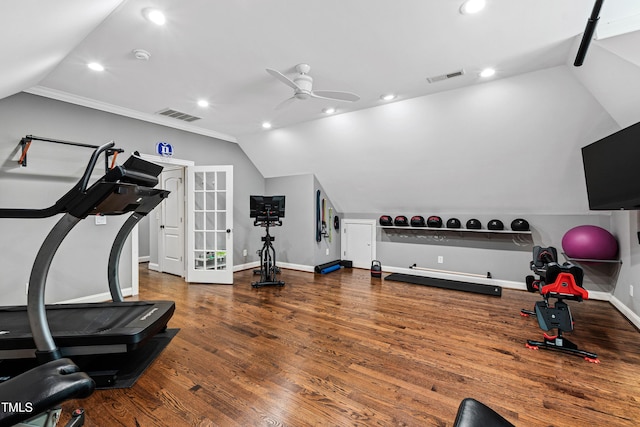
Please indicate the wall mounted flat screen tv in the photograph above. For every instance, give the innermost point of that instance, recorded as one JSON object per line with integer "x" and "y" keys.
{"x": 612, "y": 170}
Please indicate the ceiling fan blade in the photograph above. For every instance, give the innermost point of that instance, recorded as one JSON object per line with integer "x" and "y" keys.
{"x": 334, "y": 94}
{"x": 285, "y": 103}
{"x": 284, "y": 79}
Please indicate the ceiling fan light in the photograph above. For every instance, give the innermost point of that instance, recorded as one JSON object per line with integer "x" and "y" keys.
{"x": 388, "y": 97}
{"x": 154, "y": 15}
{"x": 203, "y": 103}
{"x": 329, "y": 110}
{"x": 472, "y": 6}
{"x": 266, "y": 125}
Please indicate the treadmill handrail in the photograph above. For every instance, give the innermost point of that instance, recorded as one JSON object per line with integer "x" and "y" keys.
{"x": 60, "y": 205}
{"x": 84, "y": 181}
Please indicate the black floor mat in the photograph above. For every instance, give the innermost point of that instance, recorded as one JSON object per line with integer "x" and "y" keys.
{"x": 109, "y": 371}
{"x": 446, "y": 284}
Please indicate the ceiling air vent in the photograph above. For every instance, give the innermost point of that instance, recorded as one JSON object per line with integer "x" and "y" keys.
{"x": 179, "y": 115}
{"x": 445, "y": 76}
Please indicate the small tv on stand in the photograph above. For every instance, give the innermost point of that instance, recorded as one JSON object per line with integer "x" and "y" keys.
{"x": 266, "y": 208}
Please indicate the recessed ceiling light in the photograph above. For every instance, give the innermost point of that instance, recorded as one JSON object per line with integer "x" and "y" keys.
{"x": 472, "y": 6}
{"x": 266, "y": 125}
{"x": 388, "y": 97}
{"x": 329, "y": 110}
{"x": 487, "y": 72}
{"x": 203, "y": 103}
{"x": 154, "y": 15}
{"x": 95, "y": 66}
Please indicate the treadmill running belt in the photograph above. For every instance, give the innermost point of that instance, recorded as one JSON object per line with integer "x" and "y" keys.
{"x": 74, "y": 325}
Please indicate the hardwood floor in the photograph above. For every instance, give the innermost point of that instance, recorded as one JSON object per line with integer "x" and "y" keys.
{"x": 345, "y": 349}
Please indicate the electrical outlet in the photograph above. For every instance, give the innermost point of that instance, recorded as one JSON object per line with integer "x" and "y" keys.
{"x": 244, "y": 252}
{"x": 327, "y": 251}
{"x": 631, "y": 290}
{"x": 440, "y": 259}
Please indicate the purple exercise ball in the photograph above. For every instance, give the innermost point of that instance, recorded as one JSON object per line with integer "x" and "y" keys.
{"x": 589, "y": 242}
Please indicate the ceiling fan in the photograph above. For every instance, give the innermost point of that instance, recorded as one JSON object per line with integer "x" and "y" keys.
{"x": 302, "y": 85}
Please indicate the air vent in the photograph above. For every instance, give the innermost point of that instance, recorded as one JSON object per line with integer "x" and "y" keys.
{"x": 179, "y": 115}
{"x": 445, "y": 76}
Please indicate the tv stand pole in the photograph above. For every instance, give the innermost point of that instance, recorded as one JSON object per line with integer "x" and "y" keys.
{"x": 268, "y": 269}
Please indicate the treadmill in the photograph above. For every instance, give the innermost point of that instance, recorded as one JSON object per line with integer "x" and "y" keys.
{"x": 46, "y": 333}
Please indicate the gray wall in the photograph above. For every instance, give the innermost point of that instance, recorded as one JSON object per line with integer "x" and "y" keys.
{"x": 294, "y": 238}
{"x": 506, "y": 256}
{"x": 80, "y": 266}
{"x": 325, "y": 250}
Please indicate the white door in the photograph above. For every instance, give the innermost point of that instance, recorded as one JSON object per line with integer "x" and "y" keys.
{"x": 210, "y": 224}
{"x": 171, "y": 247}
{"x": 359, "y": 242}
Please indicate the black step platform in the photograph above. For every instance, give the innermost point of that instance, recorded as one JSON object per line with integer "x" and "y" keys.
{"x": 446, "y": 284}
{"x": 109, "y": 371}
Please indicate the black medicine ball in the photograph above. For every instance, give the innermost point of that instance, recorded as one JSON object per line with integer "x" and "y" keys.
{"x": 386, "y": 221}
{"x": 434, "y": 221}
{"x": 453, "y": 223}
{"x": 418, "y": 221}
{"x": 495, "y": 224}
{"x": 519, "y": 224}
{"x": 401, "y": 221}
{"x": 474, "y": 224}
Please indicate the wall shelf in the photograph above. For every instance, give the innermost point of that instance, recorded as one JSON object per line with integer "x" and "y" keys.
{"x": 603, "y": 261}
{"x": 457, "y": 230}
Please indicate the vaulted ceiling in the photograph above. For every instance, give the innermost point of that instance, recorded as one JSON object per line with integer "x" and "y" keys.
{"x": 218, "y": 51}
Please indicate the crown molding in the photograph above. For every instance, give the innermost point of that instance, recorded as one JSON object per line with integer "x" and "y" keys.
{"x": 126, "y": 112}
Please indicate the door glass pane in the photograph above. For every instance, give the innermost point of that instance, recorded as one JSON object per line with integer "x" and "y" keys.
{"x": 222, "y": 221}
{"x": 210, "y": 197}
{"x": 222, "y": 200}
{"x": 222, "y": 180}
{"x": 211, "y": 221}
{"x": 211, "y": 181}
{"x": 198, "y": 200}
{"x": 198, "y": 181}
{"x": 198, "y": 223}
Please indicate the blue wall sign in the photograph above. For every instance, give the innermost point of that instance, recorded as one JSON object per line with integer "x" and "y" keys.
{"x": 164, "y": 149}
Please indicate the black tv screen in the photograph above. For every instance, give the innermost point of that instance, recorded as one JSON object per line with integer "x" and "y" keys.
{"x": 612, "y": 170}
{"x": 263, "y": 206}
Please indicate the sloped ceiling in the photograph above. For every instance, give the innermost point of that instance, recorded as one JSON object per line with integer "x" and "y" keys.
{"x": 219, "y": 51}
{"x": 37, "y": 35}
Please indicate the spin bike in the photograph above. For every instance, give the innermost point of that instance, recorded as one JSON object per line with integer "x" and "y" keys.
{"x": 268, "y": 269}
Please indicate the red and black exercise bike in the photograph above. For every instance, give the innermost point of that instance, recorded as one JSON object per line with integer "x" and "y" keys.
{"x": 559, "y": 282}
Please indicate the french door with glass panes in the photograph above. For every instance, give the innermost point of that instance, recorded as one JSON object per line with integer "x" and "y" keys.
{"x": 210, "y": 224}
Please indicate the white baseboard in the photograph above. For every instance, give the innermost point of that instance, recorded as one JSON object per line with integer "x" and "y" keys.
{"x": 626, "y": 311}
{"x": 256, "y": 264}
{"x": 247, "y": 266}
{"x": 154, "y": 266}
{"x": 299, "y": 267}
{"x": 142, "y": 259}
{"x": 105, "y": 296}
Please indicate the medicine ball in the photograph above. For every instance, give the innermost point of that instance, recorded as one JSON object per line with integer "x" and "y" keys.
{"x": 401, "y": 221}
{"x": 386, "y": 221}
{"x": 474, "y": 224}
{"x": 519, "y": 224}
{"x": 495, "y": 224}
{"x": 418, "y": 221}
{"x": 453, "y": 223}
{"x": 434, "y": 221}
